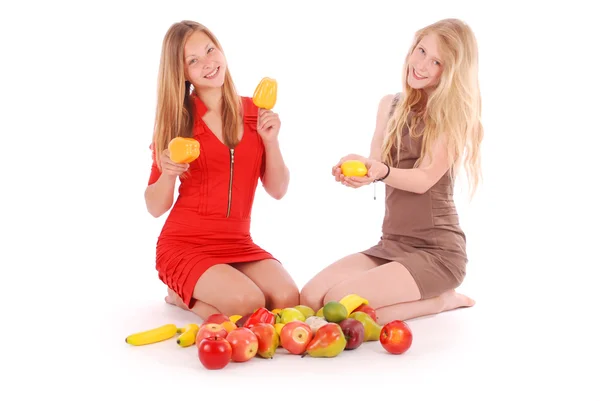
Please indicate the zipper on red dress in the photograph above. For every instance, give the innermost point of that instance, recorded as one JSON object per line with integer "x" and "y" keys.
{"x": 230, "y": 180}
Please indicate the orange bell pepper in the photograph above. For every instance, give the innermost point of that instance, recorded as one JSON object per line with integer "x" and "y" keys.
{"x": 265, "y": 94}
{"x": 184, "y": 150}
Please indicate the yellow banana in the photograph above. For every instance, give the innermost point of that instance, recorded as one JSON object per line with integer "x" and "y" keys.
{"x": 188, "y": 334}
{"x": 234, "y": 318}
{"x": 319, "y": 312}
{"x": 353, "y": 301}
{"x": 152, "y": 336}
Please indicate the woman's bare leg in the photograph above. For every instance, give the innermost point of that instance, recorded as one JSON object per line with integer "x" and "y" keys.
{"x": 199, "y": 308}
{"x": 384, "y": 285}
{"x": 405, "y": 311}
{"x": 394, "y": 294}
{"x": 275, "y": 282}
{"x": 174, "y": 299}
{"x": 314, "y": 291}
{"x": 227, "y": 290}
{"x": 222, "y": 289}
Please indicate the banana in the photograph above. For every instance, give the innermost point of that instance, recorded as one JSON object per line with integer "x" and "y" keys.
{"x": 152, "y": 336}
{"x": 235, "y": 318}
{"x": 188, "y": 335}
{"x": 353, "y": 301}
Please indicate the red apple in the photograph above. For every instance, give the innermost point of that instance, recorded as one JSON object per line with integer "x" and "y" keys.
{"x": 214, "y": 352}
{"x": 295, "y": 337}
{"x": 217, "y": 318}
{"x": 210, "y": 330}
{"x": 354, "y": 331}
{"x": 268, "y": 339}
{"x": 396, "y": 337}
{"x": 369, "y": 310}
{"x": 244, "y": 344}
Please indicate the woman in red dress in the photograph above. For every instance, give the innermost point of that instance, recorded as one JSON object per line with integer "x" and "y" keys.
{"x": 205, "y": 253}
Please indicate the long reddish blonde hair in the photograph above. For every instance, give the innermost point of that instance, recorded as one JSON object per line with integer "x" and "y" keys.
{"x": 454, "y": 107}
{"x": 174, "y": 109}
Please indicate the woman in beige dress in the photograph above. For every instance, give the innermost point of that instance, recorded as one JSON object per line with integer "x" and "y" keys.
{"x": 422, "y": 137}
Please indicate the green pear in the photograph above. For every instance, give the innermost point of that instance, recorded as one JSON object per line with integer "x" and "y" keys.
{"x": 268, "y": 339}
{"x": 372, "y": 328}
{"x": 307, "y": 311}
{"x": 289, "y": 315}
{"x": 329, "y": 341}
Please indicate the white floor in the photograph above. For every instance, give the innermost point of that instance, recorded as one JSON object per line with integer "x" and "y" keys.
{"x": 530, "y": 335}
{"x": 483, "y": 353}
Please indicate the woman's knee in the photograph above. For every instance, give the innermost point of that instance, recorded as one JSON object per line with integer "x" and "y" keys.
{"x": 242, "y": 303}
{"x": 339, "y": 291}
{"x": 311, "y": 295}
{"x": 334, "y": 294}
{"x": 286, "y": 297}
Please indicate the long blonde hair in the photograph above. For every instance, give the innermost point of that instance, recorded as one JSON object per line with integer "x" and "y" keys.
{"x": 175, "y": 110}
{"x": 453, "y": 108}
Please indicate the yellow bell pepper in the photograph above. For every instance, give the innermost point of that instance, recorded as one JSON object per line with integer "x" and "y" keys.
{"x": 265, "y": 94}
{"x": 184, "y": 150}
{"x": 354, "y": 168}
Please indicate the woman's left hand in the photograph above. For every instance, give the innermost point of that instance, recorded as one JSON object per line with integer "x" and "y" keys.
{"x": 268, "y": 125}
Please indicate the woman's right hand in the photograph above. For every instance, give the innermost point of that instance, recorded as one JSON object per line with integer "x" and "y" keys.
{"x": 169, "y": 167}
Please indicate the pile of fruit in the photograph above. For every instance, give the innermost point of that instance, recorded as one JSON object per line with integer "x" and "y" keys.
{"x": 336, "y": 327}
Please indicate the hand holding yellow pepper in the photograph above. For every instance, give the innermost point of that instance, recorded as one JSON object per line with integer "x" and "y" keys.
{"x": 184, "y": 150}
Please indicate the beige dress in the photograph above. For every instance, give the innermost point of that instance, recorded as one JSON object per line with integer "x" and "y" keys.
{"x": 422, "y": 231}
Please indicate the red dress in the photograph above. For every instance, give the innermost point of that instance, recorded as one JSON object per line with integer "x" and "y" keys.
{"x": 209, "y": 223}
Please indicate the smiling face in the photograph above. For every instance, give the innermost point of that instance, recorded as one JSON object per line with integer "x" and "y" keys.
{"x": 425, "y": 64}
{"x": 205, "y": 64}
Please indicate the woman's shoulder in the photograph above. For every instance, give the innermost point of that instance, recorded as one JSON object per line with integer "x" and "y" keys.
{"x": 387, "y": 104}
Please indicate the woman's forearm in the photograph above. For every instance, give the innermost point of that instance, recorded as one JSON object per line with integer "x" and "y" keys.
{"x": 159, "y": 196}
{"x": 419, "y": 179}
{"x": 277, "y": 176}
{"x": 410, "y": 179}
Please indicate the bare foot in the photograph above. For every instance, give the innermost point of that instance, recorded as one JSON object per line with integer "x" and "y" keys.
{"x": 174, "y": 299}
{"x": 453, "y": 300}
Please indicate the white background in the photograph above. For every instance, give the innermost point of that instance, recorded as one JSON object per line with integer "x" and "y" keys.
{"x": 78, "y": 87}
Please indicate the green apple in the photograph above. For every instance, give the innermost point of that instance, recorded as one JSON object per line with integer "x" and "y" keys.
{"x": 307, "y": 311}
{"x": 290, "y": 314}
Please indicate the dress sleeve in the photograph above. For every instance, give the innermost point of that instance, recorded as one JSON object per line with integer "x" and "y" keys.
{"x": 154, "y": 171}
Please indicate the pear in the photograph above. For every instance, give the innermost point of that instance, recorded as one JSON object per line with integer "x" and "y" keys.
{"x": 372, "y": 328}
{"x": 289, "y": 315}
{"x": 268, "y": 339}
{"x": 307, "y": 311}
{"x": 329, "y": 341}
